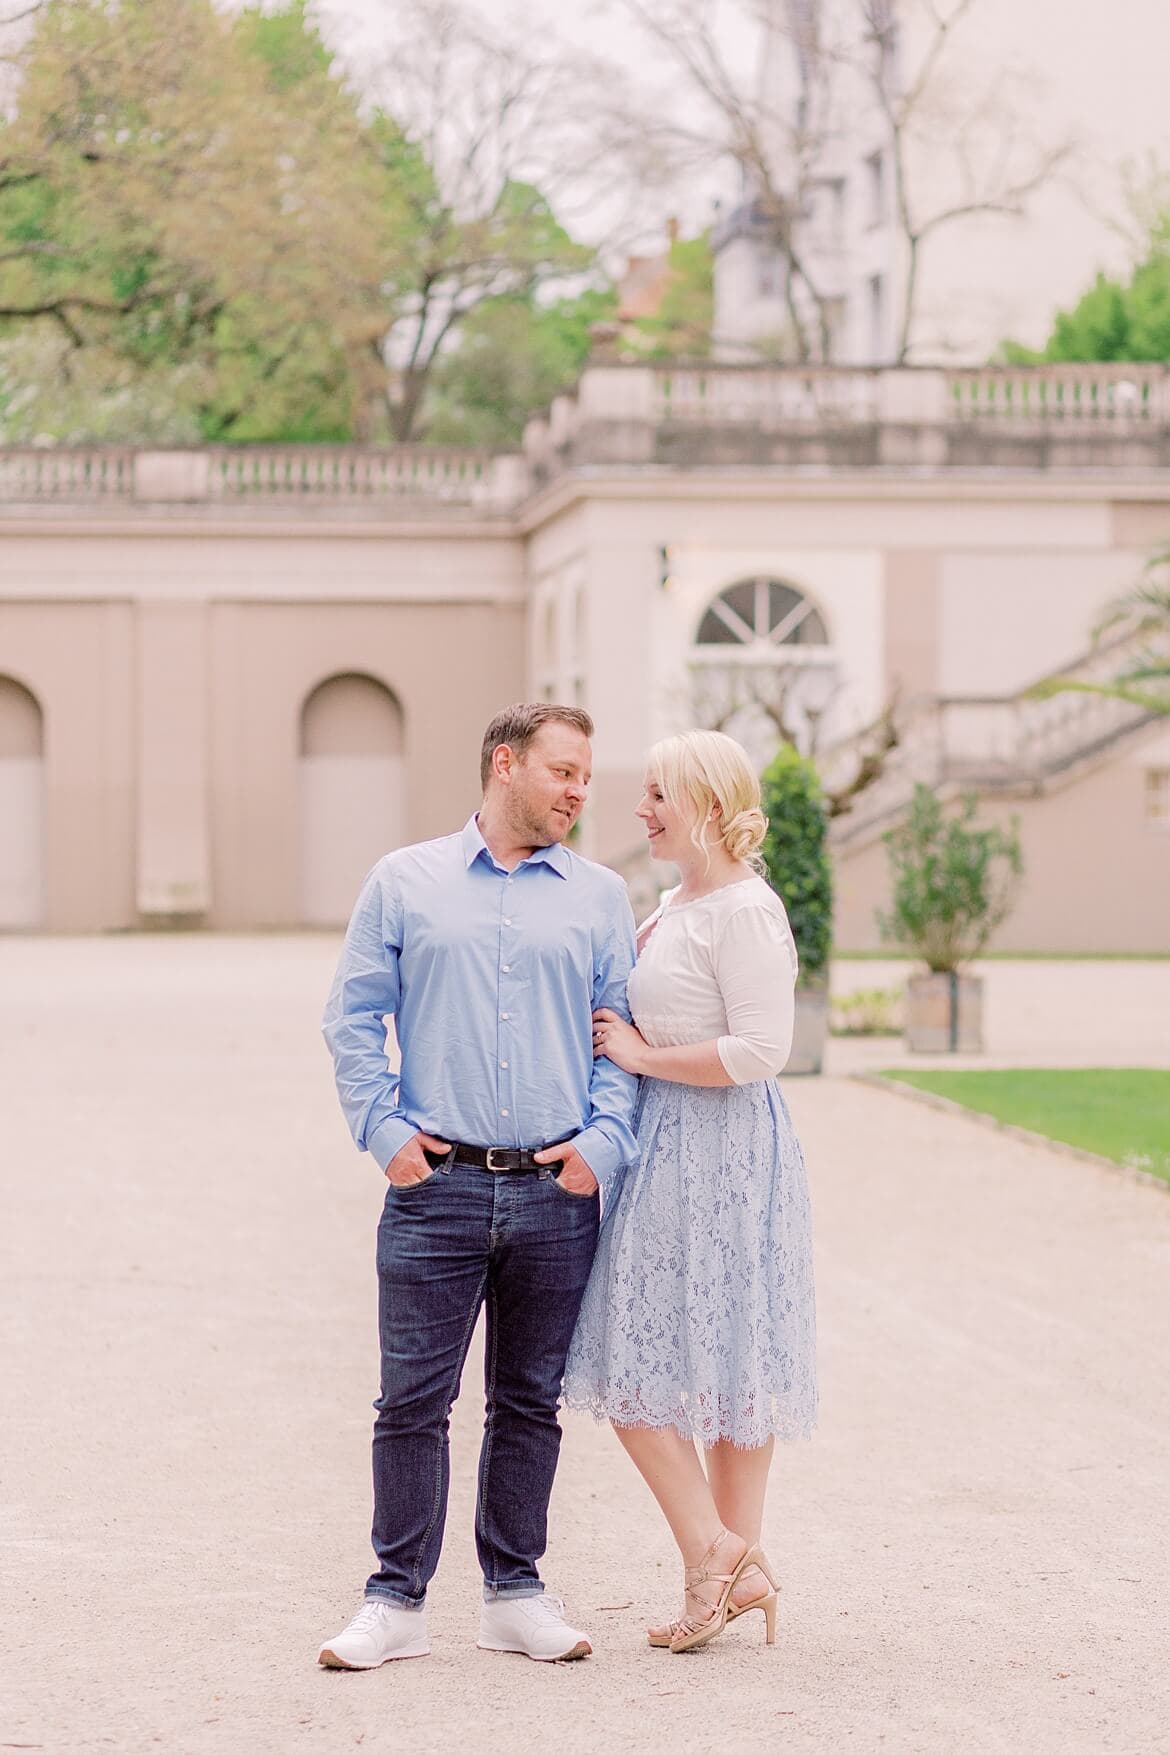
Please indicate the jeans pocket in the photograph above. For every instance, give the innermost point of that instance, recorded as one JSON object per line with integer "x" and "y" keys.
{"x": 570, "y": 1193}
{"x": 406, "y": 1189}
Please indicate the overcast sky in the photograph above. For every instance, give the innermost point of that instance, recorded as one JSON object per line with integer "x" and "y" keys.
{"x": 1099, "y": 71}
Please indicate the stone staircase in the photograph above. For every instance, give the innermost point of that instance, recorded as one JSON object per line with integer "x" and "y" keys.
{"x": 994, "y": 743}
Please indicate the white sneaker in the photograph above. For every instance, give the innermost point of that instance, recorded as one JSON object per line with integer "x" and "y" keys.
{"x": 535, "y": 1626}
{"x": 378, "y": 1632}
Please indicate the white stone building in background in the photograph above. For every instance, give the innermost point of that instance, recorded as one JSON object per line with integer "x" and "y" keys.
{"x": 846, "y": 237}
{"x": 231, "y": 678}
{"x": 977, "y": 138}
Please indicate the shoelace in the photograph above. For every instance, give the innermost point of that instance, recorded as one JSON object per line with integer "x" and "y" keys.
{"x": 368, "y": 1617}
{"x": 545, "y": 1608}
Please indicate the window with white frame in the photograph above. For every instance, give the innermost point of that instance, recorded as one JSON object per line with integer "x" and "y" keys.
{"x": 761, "y": 612}
{"x": 762, "y": 667}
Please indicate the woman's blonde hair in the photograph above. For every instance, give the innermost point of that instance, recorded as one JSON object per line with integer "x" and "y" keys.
{"x": 701, "y": 769}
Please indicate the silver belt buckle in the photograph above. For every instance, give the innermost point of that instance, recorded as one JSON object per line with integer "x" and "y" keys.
{"x": 490, "y": 1151}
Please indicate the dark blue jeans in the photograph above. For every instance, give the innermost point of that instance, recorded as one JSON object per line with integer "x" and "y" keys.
{"x": 446, "y": 1246}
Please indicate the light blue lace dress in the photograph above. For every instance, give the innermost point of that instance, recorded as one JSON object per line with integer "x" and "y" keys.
{"x": 699, "y": 1312}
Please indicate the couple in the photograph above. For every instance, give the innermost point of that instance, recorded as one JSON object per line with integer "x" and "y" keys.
{"x": 627, "y": 1199}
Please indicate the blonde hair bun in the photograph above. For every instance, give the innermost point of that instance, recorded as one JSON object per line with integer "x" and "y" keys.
{"x": 701, "y": 769}
{"x": 745, "y": 832}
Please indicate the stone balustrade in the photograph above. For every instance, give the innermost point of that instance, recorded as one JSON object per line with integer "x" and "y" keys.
{"x": 1024, "y": 418}
{"x": 249, "y": 475}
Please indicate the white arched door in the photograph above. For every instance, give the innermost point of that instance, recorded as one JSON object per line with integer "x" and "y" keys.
{"x": 352, "y": 792}
{"x": 22, "y": 807}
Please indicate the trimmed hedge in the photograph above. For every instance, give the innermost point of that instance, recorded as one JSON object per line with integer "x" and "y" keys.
{"x": 795, "y": 853}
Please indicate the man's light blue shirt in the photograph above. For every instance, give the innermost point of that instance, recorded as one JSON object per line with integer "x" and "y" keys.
{"x": 491, "y": 977}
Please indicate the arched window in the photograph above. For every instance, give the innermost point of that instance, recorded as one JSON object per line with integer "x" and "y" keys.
{"x": 352, "y": 787}
{"x": 762, "y": 667}
{"x": 22, "y": 806}
{"x": 762, "y": 613}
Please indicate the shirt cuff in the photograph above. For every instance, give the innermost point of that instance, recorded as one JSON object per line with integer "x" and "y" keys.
{"x": 599, "y": 1153}
{"x": 388, "y": 1139}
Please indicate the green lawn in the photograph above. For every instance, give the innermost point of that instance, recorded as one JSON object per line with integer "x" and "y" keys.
{"x": 1123, "y": 1113}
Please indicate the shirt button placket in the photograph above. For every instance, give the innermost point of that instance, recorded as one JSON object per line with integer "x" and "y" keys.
{"x": 504, "y": 1102}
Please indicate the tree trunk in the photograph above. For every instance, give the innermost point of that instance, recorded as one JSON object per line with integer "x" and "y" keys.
{"x": 912, "y": 243}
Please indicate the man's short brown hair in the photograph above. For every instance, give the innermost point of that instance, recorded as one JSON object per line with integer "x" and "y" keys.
{"x": 517, "y": 726}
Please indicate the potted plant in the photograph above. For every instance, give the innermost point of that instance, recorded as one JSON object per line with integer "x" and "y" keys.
{"x": 951, "y": 885}
{"x": 796, "y": 860}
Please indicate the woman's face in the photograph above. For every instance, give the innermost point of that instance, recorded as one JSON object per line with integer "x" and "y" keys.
{"x": 668, "y": 830}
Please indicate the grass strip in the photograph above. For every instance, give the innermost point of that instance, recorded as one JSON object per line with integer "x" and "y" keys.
{"x": 1121, "y": 1113}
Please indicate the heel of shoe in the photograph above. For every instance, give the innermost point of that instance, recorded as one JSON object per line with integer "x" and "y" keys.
{"x": 769, "y": 1607}
{"x": 757, "y": 1558}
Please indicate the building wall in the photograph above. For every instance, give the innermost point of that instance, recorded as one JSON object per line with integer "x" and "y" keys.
{"x": 171, "y": 661}
{"x": 450, "y": 667}
{"x": 172, "y": 666}
{"x": 78, "y": 661}
{"x": 1096, "y": 870}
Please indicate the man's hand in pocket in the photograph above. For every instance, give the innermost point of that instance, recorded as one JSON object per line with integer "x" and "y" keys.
{"x": 575, "y": 1176}
{"x": 409, "y": 1165}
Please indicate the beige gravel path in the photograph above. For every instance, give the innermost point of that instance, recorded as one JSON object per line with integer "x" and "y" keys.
{"x": 975, "y": 1546}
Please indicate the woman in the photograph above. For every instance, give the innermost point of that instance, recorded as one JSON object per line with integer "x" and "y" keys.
{"x": 698, "y": 1319}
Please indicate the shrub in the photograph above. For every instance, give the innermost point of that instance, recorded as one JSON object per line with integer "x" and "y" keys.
{"x": 867, "y": 1011}
{"x": 796, "y": 857}
{"x": 952, "y": 883}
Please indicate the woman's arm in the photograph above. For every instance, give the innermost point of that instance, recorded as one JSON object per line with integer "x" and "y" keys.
{"x": 755, "y": 965}
{"x": 694, "y": 1063}
{"x": 756, "y": 970}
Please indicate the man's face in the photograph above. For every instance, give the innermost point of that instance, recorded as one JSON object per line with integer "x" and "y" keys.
{"x": 548, "y": 784}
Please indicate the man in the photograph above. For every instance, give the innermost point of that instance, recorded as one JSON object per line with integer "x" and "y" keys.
{"x": 491, "y": 948}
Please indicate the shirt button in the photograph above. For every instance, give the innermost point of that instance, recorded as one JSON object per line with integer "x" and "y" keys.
{"x": 504, "y": 1064}
{"x": 503, "y": 1112}
{"x": 504, "y": 1015}
{"x": 507, "y": 923}
{"x": 507, "y": 967}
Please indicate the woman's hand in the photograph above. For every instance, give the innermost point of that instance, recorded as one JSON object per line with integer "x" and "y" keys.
{"x": 618, "y": 1041}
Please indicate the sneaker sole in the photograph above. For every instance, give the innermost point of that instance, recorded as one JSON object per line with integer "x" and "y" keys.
{"x": 582, "y": 1649}
{"x": 329, "y": 1660}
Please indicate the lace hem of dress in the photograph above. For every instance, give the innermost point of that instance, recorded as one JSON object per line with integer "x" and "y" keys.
{"x": 709, "y": 1425}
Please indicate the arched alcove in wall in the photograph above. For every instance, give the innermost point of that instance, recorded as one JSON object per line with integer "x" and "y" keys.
{"x": 352, "y": 791}
{"x": 22, "y": 806}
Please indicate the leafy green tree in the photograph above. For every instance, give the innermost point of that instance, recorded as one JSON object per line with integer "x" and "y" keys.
{"x": 171, "y": 195}
{"x": 684, "y": 321}
{"x": 491, "y": 130}
{"x": 795, "y": 854}
{"x": 450, "y": 265}
{"x": 952, "y": 883}
{"x": 1115, "y": 319}
{"x": 513, "y": 357}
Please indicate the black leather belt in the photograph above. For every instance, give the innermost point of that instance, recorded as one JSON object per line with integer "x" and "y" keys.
{"x": 502, "y": 1160}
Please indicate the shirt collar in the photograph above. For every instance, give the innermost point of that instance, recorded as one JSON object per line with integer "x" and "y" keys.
{"x": 555, "y": 856}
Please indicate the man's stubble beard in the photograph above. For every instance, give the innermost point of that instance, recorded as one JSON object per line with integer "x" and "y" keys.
{"x": 530, "y": 828}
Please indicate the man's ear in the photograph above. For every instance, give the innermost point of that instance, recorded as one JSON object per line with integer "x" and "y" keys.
{"x": 503, "y": 761}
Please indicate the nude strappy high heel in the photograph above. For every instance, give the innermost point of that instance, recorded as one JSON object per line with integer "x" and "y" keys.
{"x": 660, "y": 1637}
{"x": 690, "y": 1633}
{"x": 766, "y": 1602}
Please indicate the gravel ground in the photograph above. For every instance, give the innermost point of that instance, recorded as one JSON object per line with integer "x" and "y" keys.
{"x": 974, "y": 1548}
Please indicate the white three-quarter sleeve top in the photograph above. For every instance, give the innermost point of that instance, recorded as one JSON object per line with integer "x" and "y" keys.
{"x": 722, "y": 967}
